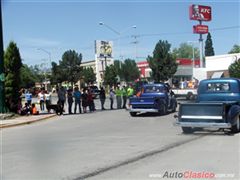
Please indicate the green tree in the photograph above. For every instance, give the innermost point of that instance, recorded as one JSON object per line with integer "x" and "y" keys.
{"x": 88, "y": 75}
{"x": 162, "y": 63}
{"x": 110, "y": 75}
{"x": 118, "y": 67}
{"x": 70, "y": 66}
{"x": 28, "y": 77}
{"x": 39, "y": 72}
{"x": 209, "y": 50}
{"x": 13, "y": 64}
{"x": 56, "y": 76}
{"x": 234, "y": 69}
{"x": 186, "y": 51}
{"x": 130, "y": 70}
{"x": 235, "y": 49}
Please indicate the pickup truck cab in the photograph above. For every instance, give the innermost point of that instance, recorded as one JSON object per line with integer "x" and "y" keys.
{"x": 154, "y": 98}
{"x": 217, "y": 106}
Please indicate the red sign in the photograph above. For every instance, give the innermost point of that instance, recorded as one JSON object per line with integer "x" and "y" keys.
{"x": 199, "y": 12}
{"x": 200, "y": 29}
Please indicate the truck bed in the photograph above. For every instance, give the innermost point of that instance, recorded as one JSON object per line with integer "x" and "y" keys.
{"x": 204, "y": 114}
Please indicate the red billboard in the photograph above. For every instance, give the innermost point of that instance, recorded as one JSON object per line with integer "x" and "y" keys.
{"x": 200, "y": 29}
{"x": 199, "y": 12}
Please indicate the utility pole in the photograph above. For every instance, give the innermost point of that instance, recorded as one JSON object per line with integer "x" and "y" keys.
{"x": 2, "y": 77}
{"x": 202, "y": 64}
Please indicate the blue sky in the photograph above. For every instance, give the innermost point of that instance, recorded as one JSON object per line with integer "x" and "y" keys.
{"x": 57, "y": 26}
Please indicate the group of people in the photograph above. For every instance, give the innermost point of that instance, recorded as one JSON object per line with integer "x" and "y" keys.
{"x": 29, "y": 107}
{"x": 192, "y": 84}
{"x": 85, "y": 99}
{"x": 44, "y": 99}
{"x": 80, "y": 99}
{"x": 122, "y": 94}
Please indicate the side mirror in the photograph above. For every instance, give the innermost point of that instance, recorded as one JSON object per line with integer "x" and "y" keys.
{"x": 175, "y": 116}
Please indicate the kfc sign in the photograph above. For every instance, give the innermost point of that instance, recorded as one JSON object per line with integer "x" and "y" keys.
{"x": 201, "y": 13}
{"x": 200, "y": 29}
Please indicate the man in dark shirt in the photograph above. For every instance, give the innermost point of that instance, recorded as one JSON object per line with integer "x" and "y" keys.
{"x": 102, "y": 96}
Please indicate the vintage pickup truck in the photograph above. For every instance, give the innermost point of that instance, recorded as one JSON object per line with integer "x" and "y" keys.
{"x": 154, "y": 98}
{"x": 217, "y": 106}
{"x": 189, "y": 94}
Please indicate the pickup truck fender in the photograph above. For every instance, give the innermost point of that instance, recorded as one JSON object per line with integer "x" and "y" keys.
{"x": 233, "y": 114}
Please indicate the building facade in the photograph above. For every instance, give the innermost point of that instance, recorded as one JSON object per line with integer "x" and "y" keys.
{"x": 184, "y": 71}
{"x": 217, "y": 66}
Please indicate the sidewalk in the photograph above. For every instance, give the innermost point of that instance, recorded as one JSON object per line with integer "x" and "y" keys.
{"x": 21, "y": 120}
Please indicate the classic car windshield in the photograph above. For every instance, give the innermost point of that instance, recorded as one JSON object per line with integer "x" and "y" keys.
{"x": 154, "y": 89}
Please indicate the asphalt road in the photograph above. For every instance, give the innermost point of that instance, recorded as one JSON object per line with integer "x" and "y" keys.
{"x": 113, "y": 145}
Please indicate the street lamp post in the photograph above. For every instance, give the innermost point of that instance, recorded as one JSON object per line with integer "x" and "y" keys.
{"x": 49, "y": 55}
{"x": 45, "y": 72}
{"x": 193, "y": 52}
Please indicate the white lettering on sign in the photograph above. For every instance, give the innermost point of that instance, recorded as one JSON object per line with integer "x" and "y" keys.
{"x": 205, "y": 11}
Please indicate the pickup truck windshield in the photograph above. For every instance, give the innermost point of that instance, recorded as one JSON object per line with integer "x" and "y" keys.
{"x": 154, "y": 89}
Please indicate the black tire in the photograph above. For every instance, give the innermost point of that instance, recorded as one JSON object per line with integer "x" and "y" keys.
{"x": 190, "y": 96}
{"x": 187, "y": 130}
{"x": 236, "y": 127}
{"x": 174, "y": 107}
{"x": 133, "y": 114}
{"x": 164, "y": 109}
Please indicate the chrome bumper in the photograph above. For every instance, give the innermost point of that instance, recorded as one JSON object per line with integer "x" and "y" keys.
{"x": 203, "y": 124}
{"x": 143, "y": 110}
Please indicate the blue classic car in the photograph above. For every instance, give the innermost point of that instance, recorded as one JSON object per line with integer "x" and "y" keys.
{"x": 154, "y": 98}
{"x": 217, "y": 106}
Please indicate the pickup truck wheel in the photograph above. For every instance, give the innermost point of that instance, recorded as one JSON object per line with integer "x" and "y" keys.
{"x": 164, "y": 110}
{"x": 174, "y": 107}
{"x": 133, "y": 114}
{"x": 236, "y": 127}
{"x": 190, "y": 96}
{"x": 187, "y": 130}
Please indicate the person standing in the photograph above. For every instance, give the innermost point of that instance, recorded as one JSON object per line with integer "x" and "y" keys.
{"x": 111, "y": 97}
{"x": 90, "y": 101}
{"x": 41, "y": 98}
{"x": 62, "y": 97}
{"x": 84, "y": 100}
{"x": 70, "y": 100}
{"x": 119, "y": 97}
{"x": 28, "y": 97}
{"x": 130, "y": 91}
{"x": 47, "y": 100}
{"x": 124, "y": 96}
{"x": 102, "y": 96}
{"x": 77, "y": 96}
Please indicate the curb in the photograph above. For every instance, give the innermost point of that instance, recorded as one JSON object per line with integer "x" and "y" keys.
{"x": 26, "y": 122}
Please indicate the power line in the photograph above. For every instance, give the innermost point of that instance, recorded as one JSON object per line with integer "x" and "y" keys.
{"x": 180, "y": 33}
